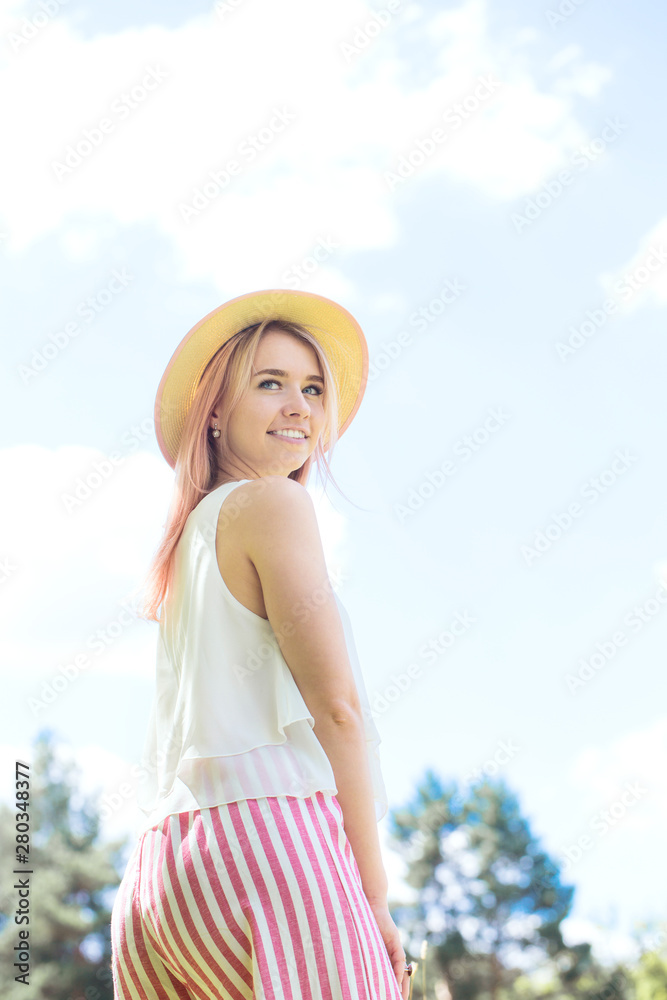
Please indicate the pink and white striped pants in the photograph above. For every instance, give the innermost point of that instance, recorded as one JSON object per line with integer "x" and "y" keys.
{"x": 259, "y": 898}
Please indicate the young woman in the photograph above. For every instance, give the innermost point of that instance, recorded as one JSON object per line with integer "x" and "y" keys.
{"x": 258, "y": 872}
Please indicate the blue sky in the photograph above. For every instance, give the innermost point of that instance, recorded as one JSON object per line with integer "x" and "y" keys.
{"x": 533, "y": 396}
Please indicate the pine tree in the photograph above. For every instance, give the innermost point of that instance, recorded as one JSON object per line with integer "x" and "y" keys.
{"x": 71, "y": 890}
{"x": 489, "y": 899}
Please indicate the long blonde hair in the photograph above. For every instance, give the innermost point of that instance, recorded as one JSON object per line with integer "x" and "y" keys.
{"x": 224, "y": 382}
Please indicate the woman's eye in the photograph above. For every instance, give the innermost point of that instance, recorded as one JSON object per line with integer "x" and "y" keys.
{"x": 273, "y": 381}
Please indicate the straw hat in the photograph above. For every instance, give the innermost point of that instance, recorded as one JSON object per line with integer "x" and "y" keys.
{"x": 334, "y": 328}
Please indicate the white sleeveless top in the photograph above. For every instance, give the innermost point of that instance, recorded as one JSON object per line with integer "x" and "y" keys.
{"x": 228, "y": 721}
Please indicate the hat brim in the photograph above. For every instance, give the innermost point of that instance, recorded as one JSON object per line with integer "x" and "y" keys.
{"x": 334, "y": 327}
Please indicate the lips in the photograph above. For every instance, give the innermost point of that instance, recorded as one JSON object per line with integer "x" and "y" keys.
{"x": 287, "y": 437}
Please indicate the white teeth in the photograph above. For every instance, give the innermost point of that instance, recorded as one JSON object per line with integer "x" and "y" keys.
{"x": 294, "y": 434}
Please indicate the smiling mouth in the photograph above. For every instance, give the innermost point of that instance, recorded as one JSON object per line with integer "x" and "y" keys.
{"x": 287, "y": 437}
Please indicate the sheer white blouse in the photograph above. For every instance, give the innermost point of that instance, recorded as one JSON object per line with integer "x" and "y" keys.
{"x": 228, "y": 721}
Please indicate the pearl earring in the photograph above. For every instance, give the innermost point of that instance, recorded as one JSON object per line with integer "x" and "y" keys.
{"x": 215, "y": 432}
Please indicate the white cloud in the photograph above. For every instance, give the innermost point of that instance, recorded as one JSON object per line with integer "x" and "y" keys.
{"x": 637, "y": 757}
{"x": 564, "y": 56}
{"x": 71, "y": 570}
{"x": 323, "y": 174}
{"x": 586, "y": 80}
{"x": 644, "y": 276}
{"x": 609, "y": 946}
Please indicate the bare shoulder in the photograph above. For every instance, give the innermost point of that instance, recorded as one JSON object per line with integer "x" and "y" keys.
{"x": 279, "y": 537}
{"x": 273, "y": 495}
{"x": 275, "y": 510}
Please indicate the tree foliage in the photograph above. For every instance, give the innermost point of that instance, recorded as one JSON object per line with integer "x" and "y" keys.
{"x": 489, "y": 900}
{"x": 650, "y": 976}
{"x": 75, "y": 878}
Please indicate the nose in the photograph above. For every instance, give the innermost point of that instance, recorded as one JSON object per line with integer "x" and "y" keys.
{"x": 297, "y": 403}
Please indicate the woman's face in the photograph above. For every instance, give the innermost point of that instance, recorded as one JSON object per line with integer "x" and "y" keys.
{"x": 273, "y": 403}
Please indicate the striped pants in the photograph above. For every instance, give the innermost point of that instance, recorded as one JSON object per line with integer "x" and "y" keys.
{"x": 255, "y": 898}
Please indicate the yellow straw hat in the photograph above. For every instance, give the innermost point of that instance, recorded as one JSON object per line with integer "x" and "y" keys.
{"x": 334, "y": 327}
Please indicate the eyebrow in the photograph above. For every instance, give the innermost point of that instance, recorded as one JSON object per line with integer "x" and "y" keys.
{"x": 282, "y": 374}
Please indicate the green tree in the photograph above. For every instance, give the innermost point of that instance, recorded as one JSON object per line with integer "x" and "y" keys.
{"x": 75, "y": 878}
{"x": 489, "y": 899}
{"x": 650, "y": 976}
{"x": 594, "y": 983}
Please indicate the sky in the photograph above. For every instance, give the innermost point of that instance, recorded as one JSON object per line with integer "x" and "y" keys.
{"x": 482, "y": 186}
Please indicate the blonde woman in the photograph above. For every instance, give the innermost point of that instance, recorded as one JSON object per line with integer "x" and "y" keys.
{"x": 258, "y": 870}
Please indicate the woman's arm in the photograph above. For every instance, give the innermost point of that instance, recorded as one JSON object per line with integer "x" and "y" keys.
{"x": 279, "y": 532}
{"x": 344, "y": 743}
